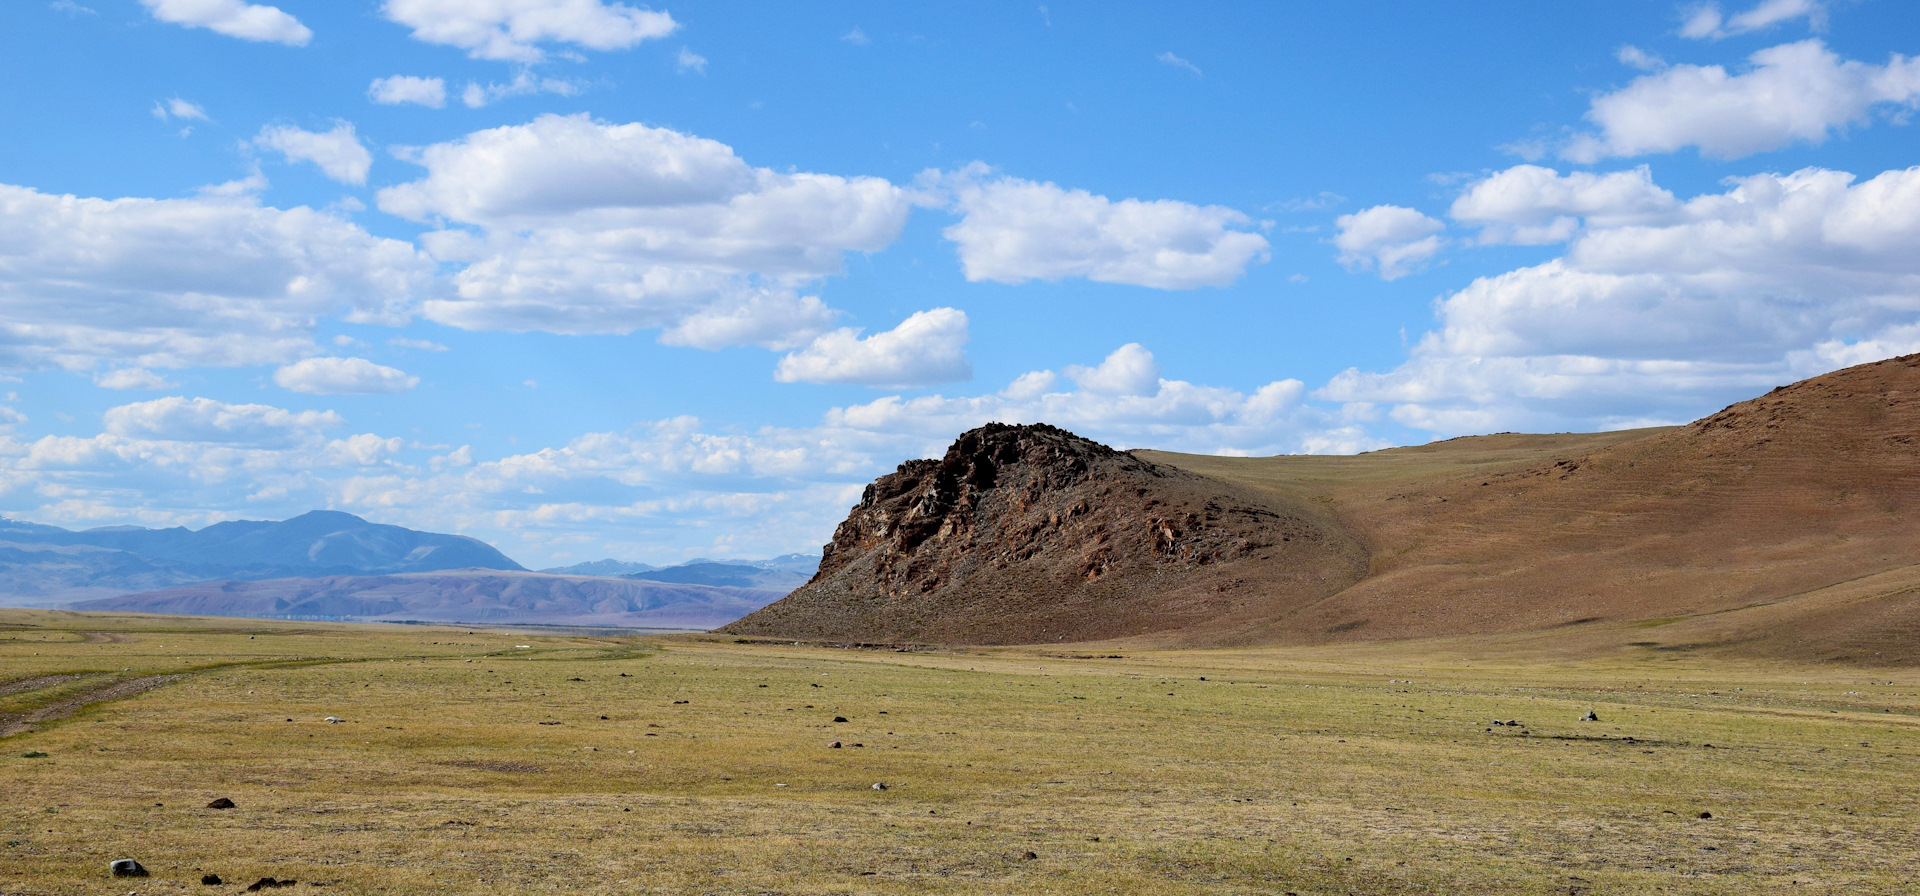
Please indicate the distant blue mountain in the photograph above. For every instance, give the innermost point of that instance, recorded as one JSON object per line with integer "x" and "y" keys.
{"x": 48, "y": 561}
{"x": 783, "y": 573}
{"x": 608, "y": 567}
{"x": 331, "y": 565}
{"x": 806, "y": 563}
{"x": 481, "y": 596}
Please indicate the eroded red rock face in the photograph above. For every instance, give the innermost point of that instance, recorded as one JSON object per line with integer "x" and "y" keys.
{"x": 1031, "y": 533}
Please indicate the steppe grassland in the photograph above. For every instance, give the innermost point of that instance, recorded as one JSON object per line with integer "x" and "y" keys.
{"x": 1356, "y": 770}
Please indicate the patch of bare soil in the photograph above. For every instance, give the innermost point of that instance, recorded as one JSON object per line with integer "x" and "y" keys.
{"x": 34, "y": 684}
{"x": 492, "y": 766}
{"x": 18, "y": 723}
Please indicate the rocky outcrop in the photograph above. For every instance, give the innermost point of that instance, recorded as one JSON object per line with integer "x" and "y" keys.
{"x": 1031, "y": 533}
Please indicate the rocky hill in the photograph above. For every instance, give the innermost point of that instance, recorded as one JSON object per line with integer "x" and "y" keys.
{"x": 1784, "y": 525}
{"x": 1031, "y": 533}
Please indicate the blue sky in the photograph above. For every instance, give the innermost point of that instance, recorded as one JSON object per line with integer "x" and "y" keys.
{"x": 590, "y": 279}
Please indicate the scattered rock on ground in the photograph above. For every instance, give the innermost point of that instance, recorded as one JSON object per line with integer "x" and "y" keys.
{"x": 211, "y": 880}
{"x": 839, "y": 718}
{"x": 1706, "y": 815}
{"x": 221, "y": 803}
{"x": 268, "y": 883}
{"x": 127, "y": 868}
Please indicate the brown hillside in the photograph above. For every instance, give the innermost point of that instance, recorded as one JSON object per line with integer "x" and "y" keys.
{"x": 1783, "y": 525}
{"x": 1809, "y": 486}
{"x": 1030, "y": 533}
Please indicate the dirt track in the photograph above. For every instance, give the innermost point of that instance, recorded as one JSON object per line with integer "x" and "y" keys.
{"x": 34, "y": 684}
{"x": 19, "y": 723}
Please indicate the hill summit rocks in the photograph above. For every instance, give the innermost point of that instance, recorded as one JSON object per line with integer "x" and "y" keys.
{"x": 1031, "y": 533}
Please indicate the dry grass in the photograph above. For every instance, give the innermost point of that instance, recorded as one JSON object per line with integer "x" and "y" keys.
{"x": 1352, "y": 770}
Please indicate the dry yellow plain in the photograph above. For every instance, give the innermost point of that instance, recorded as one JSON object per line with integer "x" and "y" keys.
{"x": 620, "y": 763}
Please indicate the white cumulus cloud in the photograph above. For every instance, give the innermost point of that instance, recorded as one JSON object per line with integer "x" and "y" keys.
{"x": 557, "y": 166}
{"x": 132, "y": 378}
{"x": 178, "y": 108}
{"x": 233, "y": 18}
{"x": 524, "y": 83}
{"x": 571, "y": 225}
{"x": 1390, "y": 239}
{"x": 164, "y": 283}
{"x": 1130, "y": 370}
{"x": 1126, "y": 402}
{"x": 338, "y": 152}
{"x": 1014, "y": 230}
{"x": 769, "y": 318}
{"x": 1661, "y": 315}
{"x": 342, "y": 376}
{"x": 928, "y": 347}
{"x": 1634, "y": 56}
{"x": 1793, "y": 93}
{"x": 512, "y": 30}
{"x": 176, "y": 419}
{"x": 1531, "y": 205}
{"x": 362, "y": 450}
{"x": 1709, "y": 22}
{"x": 392, "y": 91}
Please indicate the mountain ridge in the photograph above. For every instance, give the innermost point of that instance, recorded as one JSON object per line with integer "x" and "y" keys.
{"x": 323, "y": 542}
{"x": 43, "y": 565}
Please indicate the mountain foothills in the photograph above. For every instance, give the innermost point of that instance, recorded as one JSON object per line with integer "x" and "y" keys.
{"x": 468, "y": 596}
{"x": 1781, "y": 526}
{"x": 327, "y": 564}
